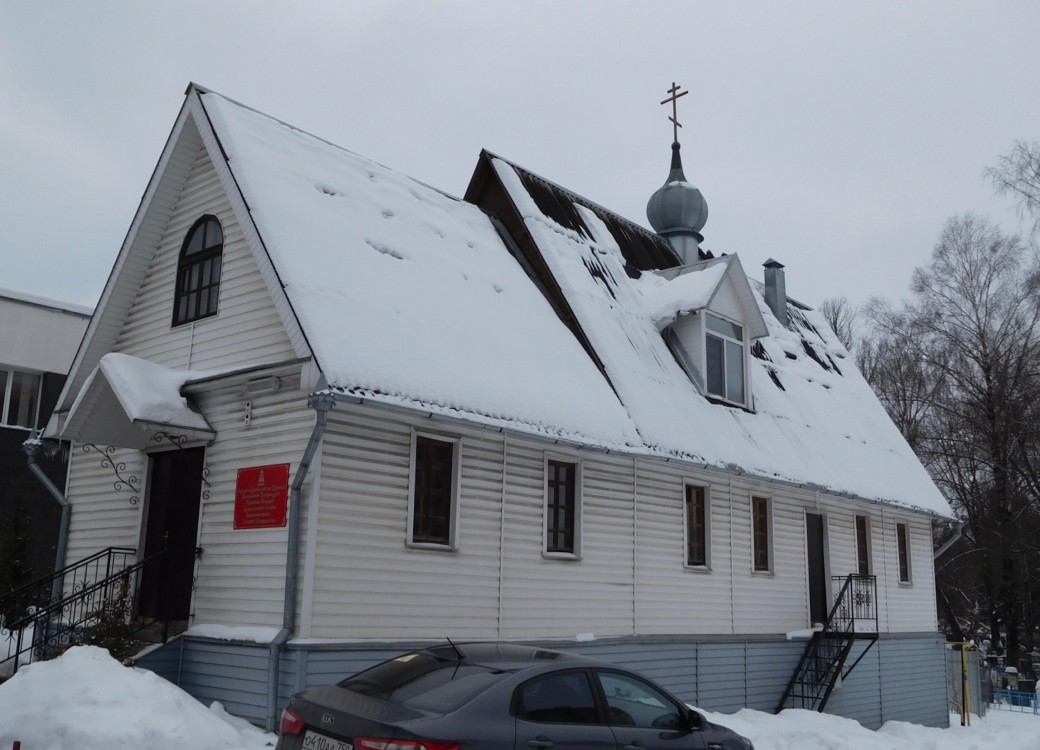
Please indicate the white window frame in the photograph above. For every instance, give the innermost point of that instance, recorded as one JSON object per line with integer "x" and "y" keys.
{"x": 869, "y": 542}
{"x": 770, "y": 535}
{"x": 706, "y": 331}
{"x": 5, "y": 403}
{"x": 706, "y": 489}
{"x": 903, "y": 539}
{"x": 576, "y": 460}
{"x": 456, "y": 481}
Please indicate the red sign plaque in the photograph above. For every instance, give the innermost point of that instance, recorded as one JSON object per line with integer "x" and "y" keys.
{"x": 261, "y": 497}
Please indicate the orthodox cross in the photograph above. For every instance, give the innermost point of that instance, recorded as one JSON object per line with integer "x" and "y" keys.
{"x": 675, "y": 94}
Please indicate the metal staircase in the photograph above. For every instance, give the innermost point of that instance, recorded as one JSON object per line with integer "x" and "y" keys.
{"x": 83, "y": 601}
{"x": 853, "y": 617}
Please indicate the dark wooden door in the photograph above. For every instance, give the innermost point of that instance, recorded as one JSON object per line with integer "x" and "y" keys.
{"x": 817, "y": 565}
{"x": 174, "y": 491}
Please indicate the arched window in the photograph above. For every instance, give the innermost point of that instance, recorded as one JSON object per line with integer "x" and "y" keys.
{"x": 198, "y": 272}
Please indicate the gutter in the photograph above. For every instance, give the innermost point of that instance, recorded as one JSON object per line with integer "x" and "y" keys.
{"x": 31, "y": 447}
{"x": 321, "y": 403}
{"x": 958, "y": 532}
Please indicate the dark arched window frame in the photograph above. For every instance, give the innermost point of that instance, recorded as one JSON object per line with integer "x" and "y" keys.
{"x": 198, "y": 272}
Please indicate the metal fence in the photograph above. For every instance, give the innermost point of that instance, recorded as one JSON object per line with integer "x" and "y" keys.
{"x": 965, "y": 672}
{"x": 1016, "y": 700}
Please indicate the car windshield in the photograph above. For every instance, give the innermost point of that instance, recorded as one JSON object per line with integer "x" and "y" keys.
{"x": 425, "y": 682}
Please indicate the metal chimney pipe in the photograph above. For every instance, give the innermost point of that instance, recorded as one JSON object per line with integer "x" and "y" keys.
{"x": 776, "y": 289}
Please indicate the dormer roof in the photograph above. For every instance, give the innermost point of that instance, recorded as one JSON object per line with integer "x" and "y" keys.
{"x": 671, "y": 292}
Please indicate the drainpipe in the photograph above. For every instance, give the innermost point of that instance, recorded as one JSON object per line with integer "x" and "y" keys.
{"x": 321, "y": 403}
{"x": 30, "y": 447}
{"x": 958, "y": 532}
{"x": 940, "y": 596}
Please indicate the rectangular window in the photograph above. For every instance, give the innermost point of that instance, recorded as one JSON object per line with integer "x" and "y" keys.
{"x": 724, "y": 359}
{"x": 903, "y": 543}
{"x": 20, "y": 392}
{"x": 863, "y": 545}
{"x": 696, "y": 526}
{"x": 561, "y": 507}
{"x": 434, "y": 489}
{"x": 760, "y": 522}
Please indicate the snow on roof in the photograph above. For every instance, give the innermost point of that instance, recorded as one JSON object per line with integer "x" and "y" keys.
{"x": 149, "y": 392}
{"x": 815, "y": 419}
{"x": 666, "y": 298}
{"x": 407, "y": 295}
{"x": 123, "y": 394}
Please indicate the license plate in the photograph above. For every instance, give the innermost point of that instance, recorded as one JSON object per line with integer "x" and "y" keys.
{"x": 315, "y": 741}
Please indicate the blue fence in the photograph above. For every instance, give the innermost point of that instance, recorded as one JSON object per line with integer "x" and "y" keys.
{"x": 1016, "y": 700}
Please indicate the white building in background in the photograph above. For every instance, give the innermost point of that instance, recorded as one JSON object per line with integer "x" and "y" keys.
{"x": 38, "y": 340}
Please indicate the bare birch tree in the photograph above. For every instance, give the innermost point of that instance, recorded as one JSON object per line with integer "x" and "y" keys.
{"x": 1017, "y": 174}
{"x": 958, "y": 367}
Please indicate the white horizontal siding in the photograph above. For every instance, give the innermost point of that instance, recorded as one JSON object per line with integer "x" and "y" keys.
{"x": 367, "y": 582}
{"x": 630, "y": 578}
{"x": 553, "y": 597}
{"x": 103, "y": 516}
{"x": 670, "y": 597}
{"x": 241, "y": 575}
{"x": 361, "y": 580}
{"x": 246, "y": 329}
{"x": 907, "y": 607}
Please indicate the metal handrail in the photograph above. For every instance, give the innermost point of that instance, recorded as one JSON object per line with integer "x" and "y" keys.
{"x": 81, "y": 602}
{"x": 39, "y": 583}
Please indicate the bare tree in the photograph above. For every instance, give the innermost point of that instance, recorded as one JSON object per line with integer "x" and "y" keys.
{"x": 958, "y": 367}
{"x": 1018, "y": 174}
{"x": 842, "y": 318}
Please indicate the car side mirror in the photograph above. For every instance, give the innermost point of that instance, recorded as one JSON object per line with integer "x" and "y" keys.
{"x": 694, "y": 720}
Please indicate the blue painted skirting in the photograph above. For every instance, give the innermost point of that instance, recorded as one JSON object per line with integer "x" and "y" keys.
{"x": 901, "y": 678}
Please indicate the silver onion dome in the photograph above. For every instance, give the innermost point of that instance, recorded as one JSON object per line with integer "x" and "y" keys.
{"x": 678, "y": 211}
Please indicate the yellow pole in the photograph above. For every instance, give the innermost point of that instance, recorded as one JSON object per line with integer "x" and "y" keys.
{"x": 966, "y": 702}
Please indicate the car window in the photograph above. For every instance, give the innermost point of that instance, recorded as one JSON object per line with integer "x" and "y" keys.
{"x": 424, "y": 682}
{"x": 558, "y": 698}
{"x": 634, "y": 703}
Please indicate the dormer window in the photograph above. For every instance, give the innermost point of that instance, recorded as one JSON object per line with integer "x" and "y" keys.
{"x": 198, "y": 272}
{"x": 724, "y": 359}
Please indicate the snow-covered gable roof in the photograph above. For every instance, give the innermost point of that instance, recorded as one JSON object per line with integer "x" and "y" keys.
{"x": 815, "y": 419}
{"x": 406, "y": 295}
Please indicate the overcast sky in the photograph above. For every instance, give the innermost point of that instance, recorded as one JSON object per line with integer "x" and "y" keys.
{"x": 836, "y": 137}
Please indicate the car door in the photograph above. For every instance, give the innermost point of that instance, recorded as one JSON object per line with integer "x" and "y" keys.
{"x": 558, "y": 711}
{"x": 644, "y": 718}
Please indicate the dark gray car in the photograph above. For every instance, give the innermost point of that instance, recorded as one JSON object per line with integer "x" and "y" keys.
{"x": 501, "y": 696}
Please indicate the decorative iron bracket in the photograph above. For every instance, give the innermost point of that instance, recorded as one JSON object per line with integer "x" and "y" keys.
{"x": 178, "y": 442}
{"x": 129, "y": 481}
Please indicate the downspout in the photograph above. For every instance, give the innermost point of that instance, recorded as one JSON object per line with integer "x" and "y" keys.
{"x": 321, "y": 403}
{"x": 30, "y": 447}
{"x": 940, "y": 596}
{"x": 958, "y": 532}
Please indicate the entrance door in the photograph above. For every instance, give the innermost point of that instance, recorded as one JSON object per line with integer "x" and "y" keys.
{"x": 817, "y": 566}
{"x": 174, "y": 491}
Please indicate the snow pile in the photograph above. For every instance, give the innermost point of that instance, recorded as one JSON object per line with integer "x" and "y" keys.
{"x": 797, "y": 730}
{"x": 86, "y": 700}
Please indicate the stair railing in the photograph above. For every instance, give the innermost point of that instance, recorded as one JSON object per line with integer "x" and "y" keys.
{"x": 818, "y": 671}
{"x": 59, "y": 610}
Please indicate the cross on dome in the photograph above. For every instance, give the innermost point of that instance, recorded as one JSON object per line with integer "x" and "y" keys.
{"x": 674, "y": 98}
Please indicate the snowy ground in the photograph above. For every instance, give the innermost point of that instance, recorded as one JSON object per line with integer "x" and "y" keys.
{"x": 85, "y": 700}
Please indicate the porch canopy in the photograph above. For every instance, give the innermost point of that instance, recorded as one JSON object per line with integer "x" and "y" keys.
{"x": 126, "y": 401}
